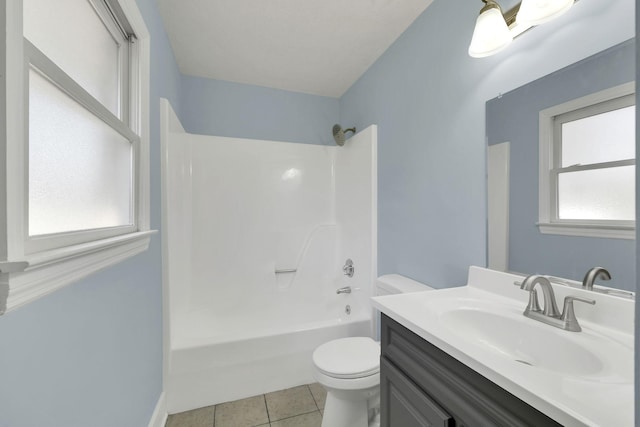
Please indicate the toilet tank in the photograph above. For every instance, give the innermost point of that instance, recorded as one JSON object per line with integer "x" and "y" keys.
{"x": 390, "y": 284}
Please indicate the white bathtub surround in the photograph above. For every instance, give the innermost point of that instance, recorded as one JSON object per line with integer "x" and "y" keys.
{"x": 257, "y": 233}
{"x": 577, "y": 378}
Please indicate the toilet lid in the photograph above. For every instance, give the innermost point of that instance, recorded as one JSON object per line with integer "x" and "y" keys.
{"x": 354, "y": 357}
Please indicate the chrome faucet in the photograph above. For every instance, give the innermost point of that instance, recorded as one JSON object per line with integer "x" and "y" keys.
{"x": 594, "y": 274}
{"x": 345, "y": 290}
{"x": 550, "y": 314}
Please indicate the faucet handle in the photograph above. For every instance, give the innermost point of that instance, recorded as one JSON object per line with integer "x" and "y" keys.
{"x": 569, "y": 315}
{"x": 348, "y": 268}
{"x": 569, "y": 300}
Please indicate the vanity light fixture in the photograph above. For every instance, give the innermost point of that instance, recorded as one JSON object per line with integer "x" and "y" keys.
{"x": 495, "y": 30}
{"x": 536, "y": 12}
{"x": 491, "y": 34}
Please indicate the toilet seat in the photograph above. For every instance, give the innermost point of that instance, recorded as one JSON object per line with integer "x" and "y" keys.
{"x": 348, "y": 358}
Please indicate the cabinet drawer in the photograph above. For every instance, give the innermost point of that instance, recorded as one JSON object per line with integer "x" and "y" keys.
{"x": 407, "y": 405}
{"x": 469, "y": 397}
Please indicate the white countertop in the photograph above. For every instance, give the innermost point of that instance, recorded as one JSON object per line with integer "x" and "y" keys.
{"x": 593, "y": 388}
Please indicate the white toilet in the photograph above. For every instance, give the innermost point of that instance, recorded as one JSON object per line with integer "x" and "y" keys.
{"x": 349, "y": 369}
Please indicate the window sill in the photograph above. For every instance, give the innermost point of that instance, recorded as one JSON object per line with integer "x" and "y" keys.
{"x": 41, "y": 273}
{"x": 588, "y": 230}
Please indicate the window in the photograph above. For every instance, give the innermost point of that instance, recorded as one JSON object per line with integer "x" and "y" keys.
{"x": 587, "y": 166}
{"x": 77, "y": 180}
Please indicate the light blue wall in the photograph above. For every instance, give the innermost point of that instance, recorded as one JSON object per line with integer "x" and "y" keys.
{"x": 91, "y": 354}
{"x": 514, "y": 117}
{"x": 428, "y": 98}
{"x": 215, "y": 107}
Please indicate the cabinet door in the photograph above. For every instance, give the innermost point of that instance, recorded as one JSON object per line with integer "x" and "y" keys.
{"x": 405, "y": 404}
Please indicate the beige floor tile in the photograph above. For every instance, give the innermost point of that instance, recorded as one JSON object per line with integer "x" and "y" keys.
{"x": 202, "y": 417}
{"x": 319, "y": 394}
{"x": 289, "y": 403}
{"x": 313, "y": 419}
{"x": 248, "y": 412}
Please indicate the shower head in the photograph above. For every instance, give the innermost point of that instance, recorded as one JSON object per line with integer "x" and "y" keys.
{"x": 338, "y": 134}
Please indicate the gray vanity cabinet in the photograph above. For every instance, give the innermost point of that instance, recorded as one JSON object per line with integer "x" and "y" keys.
{"x": 420, "y": 385}
{"x": 405, "y": 404}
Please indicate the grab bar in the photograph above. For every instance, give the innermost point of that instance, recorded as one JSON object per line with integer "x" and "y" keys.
{"x": 286, "y": 270}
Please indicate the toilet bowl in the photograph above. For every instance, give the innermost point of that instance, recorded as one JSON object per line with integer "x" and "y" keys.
{"x": 349, "y": 369}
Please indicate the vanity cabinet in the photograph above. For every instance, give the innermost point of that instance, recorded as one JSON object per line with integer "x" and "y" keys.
{"x": 421, "y": 385}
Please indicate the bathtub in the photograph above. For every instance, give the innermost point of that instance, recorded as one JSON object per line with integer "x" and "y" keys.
{"x": 248, "y": 336}
{"x": 218, "y": 361}
{"x": 255, "y": 333}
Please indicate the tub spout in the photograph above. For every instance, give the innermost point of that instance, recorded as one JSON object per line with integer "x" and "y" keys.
{"x": 345, "y": 290}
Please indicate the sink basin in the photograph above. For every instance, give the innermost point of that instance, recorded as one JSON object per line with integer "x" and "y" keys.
{"x": 523, "y": 342}
{"x": 534, "y": 344}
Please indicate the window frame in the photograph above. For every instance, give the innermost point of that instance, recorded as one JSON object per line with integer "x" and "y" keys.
{"x": 37, "y": 60}
{"x": 31, "y": 267}
{"x": 550, "y": 122}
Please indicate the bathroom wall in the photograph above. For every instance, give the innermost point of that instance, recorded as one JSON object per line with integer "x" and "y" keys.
{"x": 215, "y": 107}
{"x": 91, "y": 354}
{"x": 428, "y": 98}
{"x": 514, "y": 117}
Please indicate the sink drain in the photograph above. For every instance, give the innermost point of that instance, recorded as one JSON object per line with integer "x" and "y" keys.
{"x": 524, "y": 362}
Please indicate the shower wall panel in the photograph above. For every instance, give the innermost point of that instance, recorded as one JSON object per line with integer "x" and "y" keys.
{"x": 356, "y": 214}
{"x": 179, "y": 233}
{"x": 257, "y": 206}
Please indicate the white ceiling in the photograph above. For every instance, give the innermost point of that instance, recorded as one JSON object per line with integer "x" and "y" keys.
{"x": 319, "y": 47}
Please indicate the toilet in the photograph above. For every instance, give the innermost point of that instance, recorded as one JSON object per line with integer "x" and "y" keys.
{"x": 349, "y": 368}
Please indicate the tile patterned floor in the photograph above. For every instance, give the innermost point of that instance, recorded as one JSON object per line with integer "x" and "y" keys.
{"x": 295, "y": 407}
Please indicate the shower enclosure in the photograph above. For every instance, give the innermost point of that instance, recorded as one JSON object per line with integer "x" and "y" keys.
{"x": 255, "y": 237}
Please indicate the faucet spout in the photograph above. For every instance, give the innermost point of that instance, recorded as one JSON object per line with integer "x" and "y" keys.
{"x": 550, "y": 307}
{"x": 550, "y": 315}
{"x": 594, "y": 274}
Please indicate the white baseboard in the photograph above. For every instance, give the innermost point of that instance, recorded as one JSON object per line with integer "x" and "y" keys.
{"x": 159, "y": 417}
